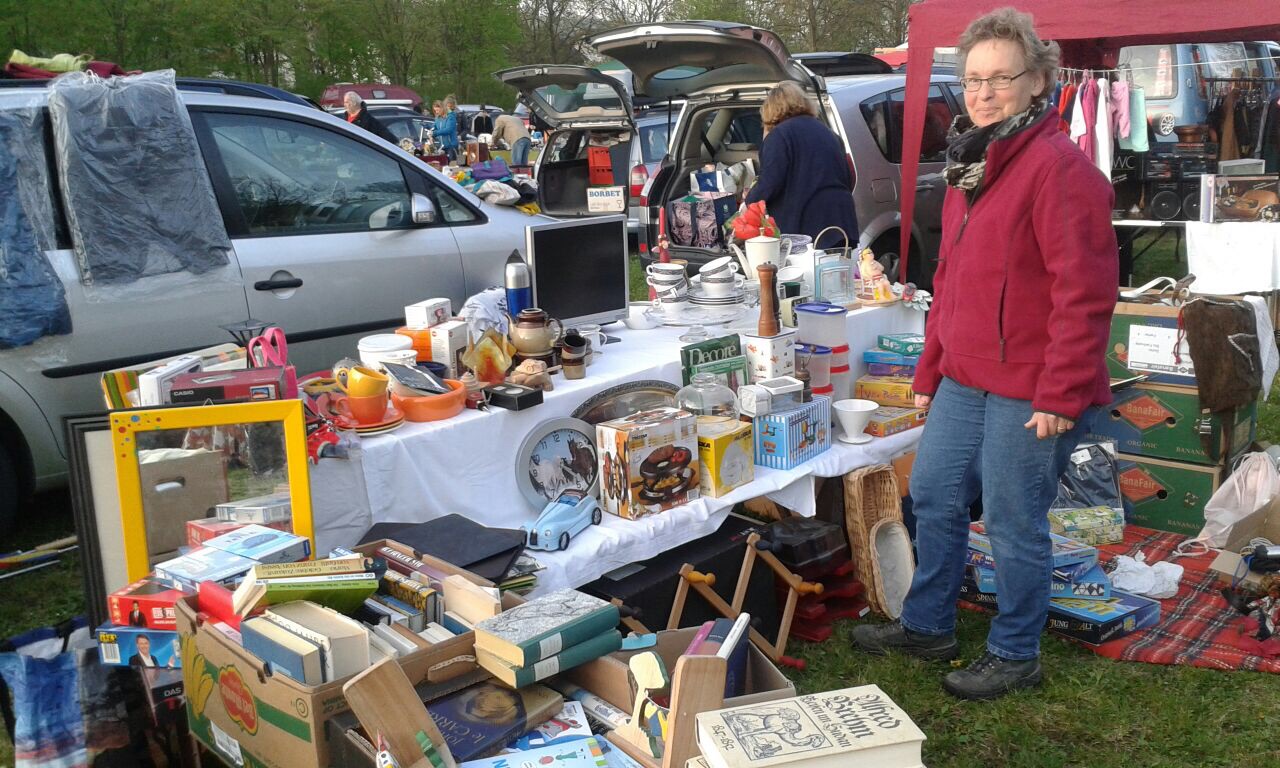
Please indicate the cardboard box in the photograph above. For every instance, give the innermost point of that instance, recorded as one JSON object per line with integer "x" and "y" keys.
{"x": 648, "y": 462}
{"x": 1097, "y": 621}
{"x": 887, "y": 369}
{"x": 147, "y": 604}
{"x": 1239, "y": 198}
{"x": 448, "y": 342}
{"x": 1165, "y": 495}
{"x": 1162, "y": 422}
{"x": 200, "y": 531}
{"x": 890, "y": 420}
{"x": 249, "y": 717}
{"x": 259, "y": 510}
{"x": 1229, "y": 565}
{"x": 262, "y": 544}
{"x": 786, "y": 439}
{"x": 230, "y": 386}
{"x": 769, "y": 357}
{"x": 1091, "y": 525}
{"x": 609, "y": 677}
{"x": 1143, "y": 340}
{"x": 886, "y": 390}
{"x": 909, "y": 344}
{"x": 886, "y": 357}
{"x": 175, "y": 490}
{"x": 427, "y": 313}
{"x": 725, "y": 450}
{"x": 122, "y": 646}
{"x": 155, "y": 386}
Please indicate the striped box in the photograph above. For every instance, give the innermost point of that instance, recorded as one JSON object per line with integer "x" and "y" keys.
{"x": 786, "y": 439}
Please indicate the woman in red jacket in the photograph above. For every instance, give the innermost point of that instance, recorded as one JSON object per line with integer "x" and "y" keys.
{"x": 1014, "y": 362}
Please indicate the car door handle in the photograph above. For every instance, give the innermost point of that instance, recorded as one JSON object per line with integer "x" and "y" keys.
{"x": 278, "y": 285}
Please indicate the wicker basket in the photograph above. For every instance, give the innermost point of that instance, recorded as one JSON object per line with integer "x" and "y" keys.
{"x": 870, "y": 495}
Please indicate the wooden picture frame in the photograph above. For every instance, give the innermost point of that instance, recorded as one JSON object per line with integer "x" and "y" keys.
{"x": 127, "y": 426}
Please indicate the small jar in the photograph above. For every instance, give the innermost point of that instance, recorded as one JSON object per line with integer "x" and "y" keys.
{"x": 706, "y": 396}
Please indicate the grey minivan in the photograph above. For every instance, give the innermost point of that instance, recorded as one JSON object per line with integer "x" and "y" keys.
{"x": 333, "y": 232}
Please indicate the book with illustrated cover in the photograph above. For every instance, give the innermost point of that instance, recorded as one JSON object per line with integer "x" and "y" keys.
{"x": 543, "y": 627}
{"x": 574, "y": 655}
{"x": 569, "y": 724}
{"x": 833, "y": 729}
{"x": 732, "y": 372}
{"x": 480, "y": 720}
{"x": 581, "y": 753}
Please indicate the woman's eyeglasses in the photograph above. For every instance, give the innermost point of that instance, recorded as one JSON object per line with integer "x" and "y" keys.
{"x": 998, "y": 82}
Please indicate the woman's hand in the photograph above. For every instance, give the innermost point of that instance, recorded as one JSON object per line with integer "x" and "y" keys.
{"x": 1046, "y": 424}
{"x": 922, "y": 401}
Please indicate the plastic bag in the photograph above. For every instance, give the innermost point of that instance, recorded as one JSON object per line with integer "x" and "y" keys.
{"x": 1090, "y": 480}
{"x": 33, "y": 303}
{"x": 497, "y": 193}
{"x": 494, "y": 169}
{"x": 138, "y": 198}
{"x": 1253, "y": 484}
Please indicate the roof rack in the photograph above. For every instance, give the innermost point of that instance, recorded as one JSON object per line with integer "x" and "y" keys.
{"x": 199, "y": 84}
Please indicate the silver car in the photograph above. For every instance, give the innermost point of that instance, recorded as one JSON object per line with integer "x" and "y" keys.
{"x": 333, "y": 232}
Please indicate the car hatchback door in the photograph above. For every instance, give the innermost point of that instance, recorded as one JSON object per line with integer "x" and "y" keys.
{"x": 324, "y": 231}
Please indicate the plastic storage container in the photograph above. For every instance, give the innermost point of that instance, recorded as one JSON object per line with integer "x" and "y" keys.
{"x": 816, "y": 359}
{"x": 808, "y": 546}
{"x": 823, "y": 324}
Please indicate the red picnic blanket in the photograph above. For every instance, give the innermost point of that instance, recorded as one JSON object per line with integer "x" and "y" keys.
{"x": 1197, "y": 627}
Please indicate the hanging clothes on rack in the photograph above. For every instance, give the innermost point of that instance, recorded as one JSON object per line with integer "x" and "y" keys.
{"x": 1086, "y": 117}
{"x": 1120, "y": 125}
{"x": 1102, "y": 129}
{"x": 1137, "y": 140}
{"x": 1224, "y": 117}
{"x": 1066, "y": 106}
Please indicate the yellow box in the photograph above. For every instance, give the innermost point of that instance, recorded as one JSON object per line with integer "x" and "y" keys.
{"x": 891, "y": 420}
{"x": 725, "y": 453}
{"x": 887, "y": 390}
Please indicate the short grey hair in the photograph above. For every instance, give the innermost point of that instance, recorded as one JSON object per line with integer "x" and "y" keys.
{"x": 1019, "y": 28}
{"x": 353, "y": 97}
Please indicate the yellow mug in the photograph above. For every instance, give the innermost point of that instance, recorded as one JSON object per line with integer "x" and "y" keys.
{"x": 359, "y": 381}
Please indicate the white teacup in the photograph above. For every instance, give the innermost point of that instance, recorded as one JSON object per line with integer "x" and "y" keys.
{"x": 673, "y": 309}
{"x": 595, "y": 339}
{"x": 668, "y": 268}
{"x": 719, "y": 288}
{"x": 790, "y": 273}
{"x": 671, "y": 293}
{"x": 720, "y": 267}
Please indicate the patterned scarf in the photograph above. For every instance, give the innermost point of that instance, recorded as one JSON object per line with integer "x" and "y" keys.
{"x": 967, "y": 145}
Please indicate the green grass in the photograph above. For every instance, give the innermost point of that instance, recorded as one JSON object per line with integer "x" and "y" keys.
{"x": 1090, "y": 712}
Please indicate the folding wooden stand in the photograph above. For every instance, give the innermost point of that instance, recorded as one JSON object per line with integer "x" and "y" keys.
{"x": 702, "y": 583}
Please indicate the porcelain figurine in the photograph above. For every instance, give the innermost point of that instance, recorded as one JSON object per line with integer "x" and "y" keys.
{"x": 875, "y": 286}
{"x": 532, "y": 373}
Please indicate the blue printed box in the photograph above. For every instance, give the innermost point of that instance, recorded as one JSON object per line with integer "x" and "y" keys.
{"x": 787, "y": 439}
{"x": 263, "y": 545}
{"x": 138, "y": 647}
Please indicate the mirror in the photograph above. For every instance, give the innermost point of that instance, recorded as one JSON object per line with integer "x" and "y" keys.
{"x": 424, "y": 211}
{"x": 177, "y": 465}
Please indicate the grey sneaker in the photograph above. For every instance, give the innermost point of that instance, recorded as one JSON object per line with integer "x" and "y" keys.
{"x": 880, "y": 639}
{"x": 991, "y": 677}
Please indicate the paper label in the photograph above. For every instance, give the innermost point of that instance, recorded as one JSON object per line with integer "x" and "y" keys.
{"x": 1152, "y": 349}
{"x": 225, "y": 744}
{"x": 546, "y": 668}
{"x": 550, "y": 646}
{"x": 606, "y": 200}
{"x": 1080, "y": 456}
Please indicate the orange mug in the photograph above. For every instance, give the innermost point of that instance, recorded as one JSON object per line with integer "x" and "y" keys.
{"x": 359, "y": 381}
{"x": 366, "y": 410}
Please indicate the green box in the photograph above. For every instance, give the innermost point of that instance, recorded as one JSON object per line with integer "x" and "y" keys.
{"x": 1165, "y": 495}
{"x": 1160, "y": 422}
{"x": 1154, "y": 319}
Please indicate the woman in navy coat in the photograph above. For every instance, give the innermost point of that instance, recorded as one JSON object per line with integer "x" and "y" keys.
{"x": 805, "y": 178}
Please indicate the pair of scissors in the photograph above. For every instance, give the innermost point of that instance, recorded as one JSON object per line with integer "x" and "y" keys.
{"x": 269, "y": 349}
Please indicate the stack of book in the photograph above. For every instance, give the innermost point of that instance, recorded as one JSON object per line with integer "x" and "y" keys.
{"x": 729, "y": 640}
{"x": 467, "y": 603}
{"x": 546, "y": 636}
{"x": 224, "y": 559}
{"x": 855, "y": 726}
{"x": 340, "y": 583}
{"x": 307, "y": 642}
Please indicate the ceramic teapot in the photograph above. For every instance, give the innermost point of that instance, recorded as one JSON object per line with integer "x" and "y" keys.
{"x": 531, "y": 331}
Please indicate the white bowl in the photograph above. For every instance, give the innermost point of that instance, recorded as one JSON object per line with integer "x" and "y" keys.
{"x": 639, "y": 318}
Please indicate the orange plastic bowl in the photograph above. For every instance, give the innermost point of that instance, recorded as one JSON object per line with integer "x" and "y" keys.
{"x": 432, "y": 407}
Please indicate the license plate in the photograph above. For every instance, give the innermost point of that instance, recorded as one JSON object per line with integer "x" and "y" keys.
{"x": 606, "y": 200}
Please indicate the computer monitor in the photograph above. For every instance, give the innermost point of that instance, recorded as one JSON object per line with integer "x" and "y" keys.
{"x": 579, "y": 269}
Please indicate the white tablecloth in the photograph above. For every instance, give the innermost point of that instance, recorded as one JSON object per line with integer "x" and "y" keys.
{"x": 466, "y": 465}
{"x": 1233, "y": 257}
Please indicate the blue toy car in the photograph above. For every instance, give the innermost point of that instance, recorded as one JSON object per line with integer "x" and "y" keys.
{"x": 561, "y": 520}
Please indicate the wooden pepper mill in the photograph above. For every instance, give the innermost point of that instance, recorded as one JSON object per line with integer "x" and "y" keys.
{"x": 769, "y": 324}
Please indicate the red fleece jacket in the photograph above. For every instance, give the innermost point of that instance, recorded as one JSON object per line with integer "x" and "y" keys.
{"x": 1027, "y": 278}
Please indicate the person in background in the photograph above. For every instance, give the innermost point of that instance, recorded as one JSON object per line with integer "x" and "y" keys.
{"x": 482, "y": 122}
{"x": 510, "y": 130}
{"x": 1014, "y": 362}
{"x": 358, "y": 114}
{"x": 805, "y": 178}
{"x": 446, "y": 130}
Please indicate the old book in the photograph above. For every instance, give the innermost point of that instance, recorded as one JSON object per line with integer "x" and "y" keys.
{"x": 480, "y": 720}
{"x": 574, "y": 655}
{"x": 415, "y": 593}
{"x": 344, "y": 642}
{"x": 833, "y": 729}
{"x": 543, "y": 627}
{"x": 471, "y": 602}
{"x": 285, "y": 652}
{"x": 343, "y": 592}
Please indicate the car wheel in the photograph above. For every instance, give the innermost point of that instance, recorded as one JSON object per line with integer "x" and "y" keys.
{"x": 9, "y": 491}
{"x": 564, "y": 541}
{"x": 596, "y": 516}
{"x": 886, "y": 250}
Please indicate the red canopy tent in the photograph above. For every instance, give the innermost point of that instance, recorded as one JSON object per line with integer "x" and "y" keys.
{"x": 1090, "y": 33}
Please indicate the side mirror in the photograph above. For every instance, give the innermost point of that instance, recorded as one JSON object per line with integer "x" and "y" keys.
{"x": 424, "y": 211}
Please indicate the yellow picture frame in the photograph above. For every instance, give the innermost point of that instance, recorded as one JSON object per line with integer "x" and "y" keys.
{"x": 126, "y": 425}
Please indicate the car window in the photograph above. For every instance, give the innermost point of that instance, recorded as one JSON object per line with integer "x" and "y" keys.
{"x": 957, "y": 95}
{"x": 875, "y": 113}
{"x": 653, "y": 141}
{"x": 1153, "y": 69}
{"x": 564, "y": 146}
{"x": 412, "y": 128}
{"x": 745, "y": 127}
{"x": 294, "y": 178}
{"x": 883, "y": 115}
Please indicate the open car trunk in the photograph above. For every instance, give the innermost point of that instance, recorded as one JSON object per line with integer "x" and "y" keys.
{"x": 563, "y": 183}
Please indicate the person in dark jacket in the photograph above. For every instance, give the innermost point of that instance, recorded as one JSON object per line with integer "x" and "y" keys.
{"x": 358, "y": 114}
{"x": 805, "y": 179}
{"x": 1014, "y": 362}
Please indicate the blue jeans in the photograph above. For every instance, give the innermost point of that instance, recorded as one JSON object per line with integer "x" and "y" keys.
{"x": 974, "y": 443}
{"x": 520, "y": 152}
